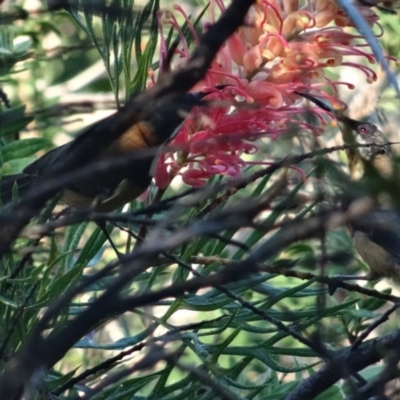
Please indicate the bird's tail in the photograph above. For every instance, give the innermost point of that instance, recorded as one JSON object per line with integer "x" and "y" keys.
{"x": 14, "y": 186}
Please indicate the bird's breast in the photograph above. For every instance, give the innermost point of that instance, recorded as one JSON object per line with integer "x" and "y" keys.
{"x": 137, "y": 137}
{"x": 384, "y": 165}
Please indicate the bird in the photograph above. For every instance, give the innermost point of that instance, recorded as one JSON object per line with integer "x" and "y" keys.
{"x": 110, "y": 190}
{"x": 375, "y": 235}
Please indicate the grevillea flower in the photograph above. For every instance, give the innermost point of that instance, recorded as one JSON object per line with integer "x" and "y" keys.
{"x": 284, "y": 47}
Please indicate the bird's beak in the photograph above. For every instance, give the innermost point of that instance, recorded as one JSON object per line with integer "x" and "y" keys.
{"x": 346, "y": 121}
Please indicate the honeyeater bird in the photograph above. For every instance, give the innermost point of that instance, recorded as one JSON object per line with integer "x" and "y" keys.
{"x": 375, "y": 235}
{"x": 110, "y": 190}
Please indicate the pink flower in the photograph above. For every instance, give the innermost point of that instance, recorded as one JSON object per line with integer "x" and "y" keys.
{"x": 283, "y": 48}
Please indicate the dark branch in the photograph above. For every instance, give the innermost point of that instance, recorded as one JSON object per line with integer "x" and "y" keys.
{"x": 367, "y": 354}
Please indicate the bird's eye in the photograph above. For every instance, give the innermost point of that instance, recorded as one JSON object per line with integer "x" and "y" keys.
{"x": 364, "y": 129}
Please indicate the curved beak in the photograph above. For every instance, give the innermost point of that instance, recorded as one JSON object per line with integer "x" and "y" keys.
{"x": 349, "y": 122}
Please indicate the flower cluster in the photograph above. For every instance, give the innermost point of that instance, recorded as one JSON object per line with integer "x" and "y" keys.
{"x": 284, "y": 47}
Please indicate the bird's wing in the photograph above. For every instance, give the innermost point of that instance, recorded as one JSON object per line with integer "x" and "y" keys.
{"x": 48, "y": 160}
{"x": 154, "y": 132}
{"x": 381, "y": 226}
{"x": 54, "y": 158}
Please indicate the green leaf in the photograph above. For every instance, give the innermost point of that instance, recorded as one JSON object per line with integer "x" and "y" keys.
{"x": 333, "y": 393}
{"x": 72, "y": 237}
{"x": 265, "y": 356}
{"x": 16, "y": 166}
{"x": 8, "y": 302}
{"x": 23, "y": 46}
{"x": 221, "y": 347}
{"x": 127, "y": 389}
{"x": 121, "y": 344}
{"x": 13, "y": 120}
{"x": 92, "y": 246}
{"x": 59, "y": 285}
{"x": 55, "y": 381}
{"x": 23, "y": 148}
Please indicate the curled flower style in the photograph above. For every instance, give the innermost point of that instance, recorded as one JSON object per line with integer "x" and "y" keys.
{"x": 283, "y": 48}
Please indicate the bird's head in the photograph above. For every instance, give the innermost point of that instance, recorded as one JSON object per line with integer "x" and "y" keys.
{"x": 373, "y": 146}
{"x": 372, "y": 141}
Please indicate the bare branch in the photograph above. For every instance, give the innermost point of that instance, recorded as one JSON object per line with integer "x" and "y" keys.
{"x": 349, "y": 360}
